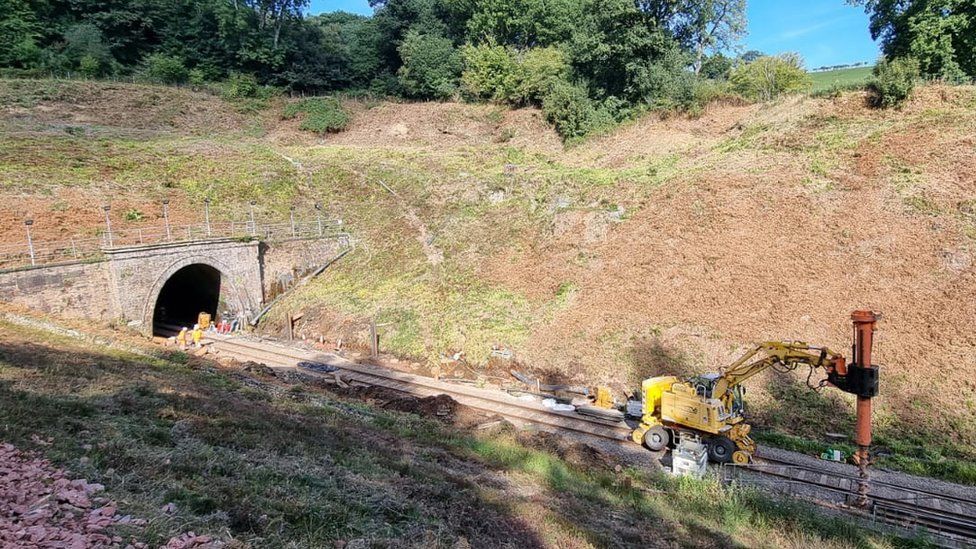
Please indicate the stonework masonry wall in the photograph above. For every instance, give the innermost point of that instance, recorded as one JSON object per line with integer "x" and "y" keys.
{"x": 139, "y": 273}
{"x": 283, "y": 262}
{"x": 79, "y": 290}
{"x": 126, "y": 285}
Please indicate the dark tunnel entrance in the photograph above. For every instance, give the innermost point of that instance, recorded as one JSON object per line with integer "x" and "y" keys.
{"x": 190, "y": 291}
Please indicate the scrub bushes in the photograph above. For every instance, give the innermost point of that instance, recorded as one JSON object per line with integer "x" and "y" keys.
{"x": 769, "y": 77}
{"x": 505, "y": 75}
{"x": 894, "y": 81}
{"x": 321, "y": 114}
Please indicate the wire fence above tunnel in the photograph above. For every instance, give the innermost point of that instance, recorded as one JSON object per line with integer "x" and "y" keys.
{"x": 91, "y": 248}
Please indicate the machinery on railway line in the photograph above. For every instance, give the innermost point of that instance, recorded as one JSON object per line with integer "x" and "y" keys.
{"x": 711, "y": 405}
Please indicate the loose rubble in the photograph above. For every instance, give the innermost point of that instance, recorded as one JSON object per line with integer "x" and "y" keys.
{"x": 41, "y": 507}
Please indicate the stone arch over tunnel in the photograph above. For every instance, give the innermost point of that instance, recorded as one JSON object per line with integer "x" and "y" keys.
{"x": 187, "y": 288}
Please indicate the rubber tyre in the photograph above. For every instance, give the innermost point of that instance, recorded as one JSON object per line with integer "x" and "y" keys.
{"x": 657, "y": 438}
{"x": 720, "y": 450}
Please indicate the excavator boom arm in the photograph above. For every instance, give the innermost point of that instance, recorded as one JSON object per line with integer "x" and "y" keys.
{"x": 789, "y": 354}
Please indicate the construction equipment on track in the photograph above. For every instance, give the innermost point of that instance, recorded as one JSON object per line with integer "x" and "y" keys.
{"x": 712, "y": 406}
{"x": 596, "y": 401}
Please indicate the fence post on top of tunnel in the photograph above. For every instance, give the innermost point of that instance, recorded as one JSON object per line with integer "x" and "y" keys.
{"x": 206, "y": 214}
{"x": 374, "y": 342}
{"x": 30, "y": 241}
{"x": 318, "y": 216}
{"x": 108, "y": 223}
{"x": 169, "y": 235}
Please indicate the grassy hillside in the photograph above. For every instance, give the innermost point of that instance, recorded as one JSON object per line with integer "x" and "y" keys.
{"x": 269, "y": 462}
{"x": 826, "y": 80}
{"x": 668, "y": 246}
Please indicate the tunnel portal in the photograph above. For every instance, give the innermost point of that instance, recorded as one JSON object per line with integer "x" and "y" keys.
{"x": 190, "y": 291}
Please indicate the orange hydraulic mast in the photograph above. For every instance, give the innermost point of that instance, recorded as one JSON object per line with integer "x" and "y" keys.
{"x": 864, "y": 327}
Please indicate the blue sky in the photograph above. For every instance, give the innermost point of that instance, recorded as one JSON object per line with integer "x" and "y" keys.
{"x": 354, "y": 6}
{"x": 824, "y": 32}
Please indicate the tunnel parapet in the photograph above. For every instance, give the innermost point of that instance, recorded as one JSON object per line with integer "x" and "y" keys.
{"x": 139, "y": 284}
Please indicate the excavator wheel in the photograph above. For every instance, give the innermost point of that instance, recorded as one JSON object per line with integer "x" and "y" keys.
{"x": 657, "y": 438}
{"x": 741, "y": 457}
{"x": 720, "y": 449}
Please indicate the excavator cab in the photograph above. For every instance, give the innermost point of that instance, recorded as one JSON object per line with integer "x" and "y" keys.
{"x": 704, "y": 384}
{"x": 739, "y": 400}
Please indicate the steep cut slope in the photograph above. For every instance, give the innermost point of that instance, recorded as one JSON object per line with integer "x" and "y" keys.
{"x": 674, "y": 244}
{"x": 670, "y": 245}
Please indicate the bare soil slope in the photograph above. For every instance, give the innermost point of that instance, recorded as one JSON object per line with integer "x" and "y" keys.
{"x": 670, "y": 245}
{"x": 781, "y": 228}
{"x": 438, "y": 125}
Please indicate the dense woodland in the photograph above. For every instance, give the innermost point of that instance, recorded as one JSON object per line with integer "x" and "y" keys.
{"x": 589, "y": 63}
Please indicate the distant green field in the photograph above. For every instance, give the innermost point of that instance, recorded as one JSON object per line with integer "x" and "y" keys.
{"x": 825, "y": 80}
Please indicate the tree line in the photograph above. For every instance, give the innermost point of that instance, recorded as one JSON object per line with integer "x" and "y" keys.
{"x": 937, "y": 35}
{"x": 275, "y": 41}
{"x": 588, "y": 63}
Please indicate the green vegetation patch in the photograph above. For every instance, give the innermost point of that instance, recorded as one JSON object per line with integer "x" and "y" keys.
{"x": 320, "y": 114}
{"x": 228, "y": 172}
{"x": 841, "y": 78}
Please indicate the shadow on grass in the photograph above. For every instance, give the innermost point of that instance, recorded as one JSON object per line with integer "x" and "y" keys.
{"x": 301, "y": 467}
{"x": 272, "y": 466}
{"x": 652, "y": 357}
{"x": 803, "y": 411}
{"x": 799, "y": 419}
{"x": 233, "y": 458}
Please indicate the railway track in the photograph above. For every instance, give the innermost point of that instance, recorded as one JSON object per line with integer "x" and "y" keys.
{"x": 493, "y": 402}
{"x": 948, "y": 519}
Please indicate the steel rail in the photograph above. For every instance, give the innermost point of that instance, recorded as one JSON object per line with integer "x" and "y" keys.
{"x": 924, "y": 494}
{"x": 480, "y": 399}
{"x": 956, "y": 527}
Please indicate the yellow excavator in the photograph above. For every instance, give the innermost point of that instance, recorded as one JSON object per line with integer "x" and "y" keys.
{"x": 711, "y": 405}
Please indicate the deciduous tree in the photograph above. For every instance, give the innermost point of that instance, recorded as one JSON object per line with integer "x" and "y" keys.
{"x": 712, "y": 26}
{"x": 19, "y": 34}
{"x": 431, "y": 65}
{"x": 940, "y": 34}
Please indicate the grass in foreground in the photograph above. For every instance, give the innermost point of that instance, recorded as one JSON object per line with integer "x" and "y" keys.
{"x": 277, "y": 465}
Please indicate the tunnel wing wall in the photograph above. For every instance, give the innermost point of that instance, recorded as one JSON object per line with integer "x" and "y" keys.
{"x": 76, "y": 290}
{"x": 284, "y": 262}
